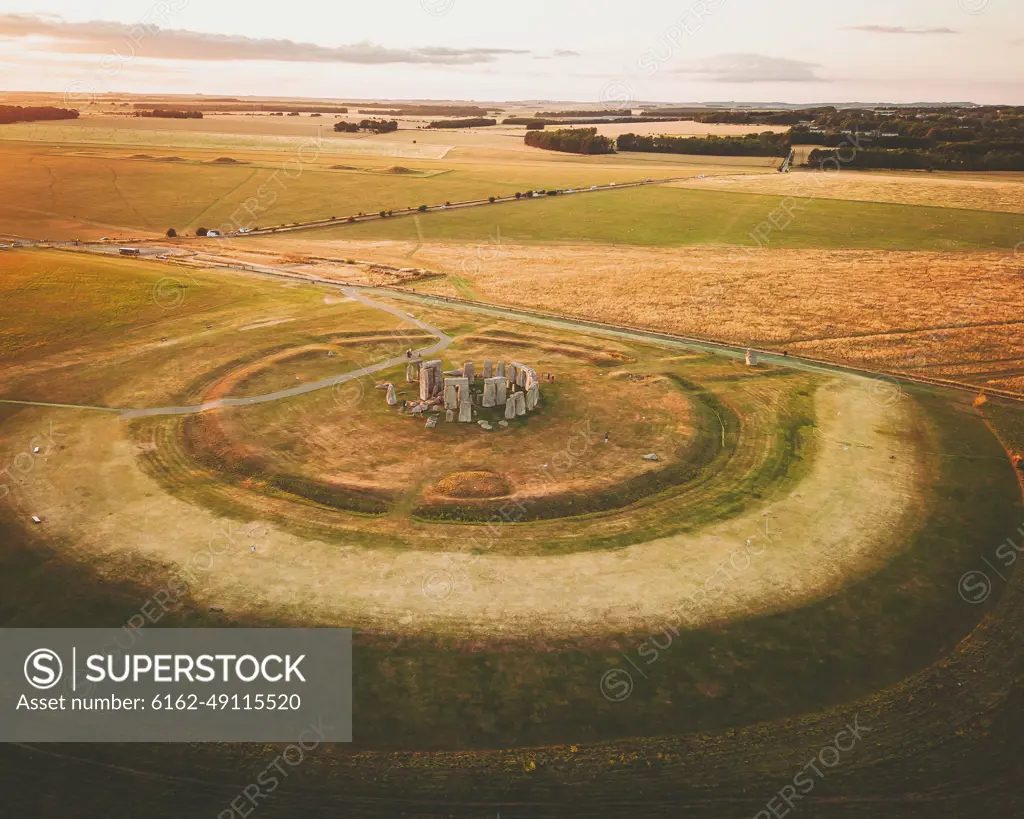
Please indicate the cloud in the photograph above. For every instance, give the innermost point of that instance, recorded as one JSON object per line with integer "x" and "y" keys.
{"x": 99, "y": 37}
{"x": 903, "y": 29}
{"x": 558, "y": 53}
{"x": 751, "y": 68}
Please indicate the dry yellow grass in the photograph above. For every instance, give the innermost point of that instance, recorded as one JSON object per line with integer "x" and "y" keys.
{"x": 1003, "y": 192}
{"x": 836, "y": 526}
{"x": 952, "y": 315}
{"x": 472, "y": 485}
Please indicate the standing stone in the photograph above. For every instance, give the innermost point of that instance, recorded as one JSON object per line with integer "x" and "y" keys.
{"x": 461, "y": 386}
{"x": 431, "y": 380}
{"x": 425, "y": 374}
{"x": 449, "y": 416}
{"x": 521, "y": 377}
{"x": 465, "y": 413}
{"x": 487, "y": 370}
{"x": 532, "y": 397}
{"x": 501, "y": 369}
{"x": 501, "y": 386}
{"x": 751, "y": 358}
{"x": 510, "y": 408}
{"x": 490, "y": 391}
{"x": 451, "y": 393}
{"x": 467, "y": 371}
{"x": 412, "y": 372}
{"x": 392, "y": 395}
{"x": 520, "y": 398}
{"x": 437, "y": 380}
{"x": 512, "y": 373}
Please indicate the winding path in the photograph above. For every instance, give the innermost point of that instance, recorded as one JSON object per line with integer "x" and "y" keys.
{"x": 443, "y": 341}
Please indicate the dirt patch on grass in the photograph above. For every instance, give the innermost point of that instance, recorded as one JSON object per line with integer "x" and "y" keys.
{"x": 472, "y": 485}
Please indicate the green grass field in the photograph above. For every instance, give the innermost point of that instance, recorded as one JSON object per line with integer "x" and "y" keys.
{"x": 671, "y": 217}
{"x": 76, "y": 191}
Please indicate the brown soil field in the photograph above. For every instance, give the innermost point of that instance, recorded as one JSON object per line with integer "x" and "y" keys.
{"x": 955, "y": 315}
{"x": 1001, "y": 192}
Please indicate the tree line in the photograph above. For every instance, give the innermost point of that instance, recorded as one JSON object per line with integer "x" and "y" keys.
{"x": 617, "y": 121}
{"x": 571, "y": 140}
{"x": 949, "y": 138}
{"x": 170, "y": 113}
{"x": 423, "y": 110}
{"x": 234, "y": 106}
{"x": 764, "y": 144}
{"x": 17, "y": 113}
{"x": 473, "y": 122}
{"x": 613, "y": 112}
{"x": 377, "y": 126}
{"x": 923, "y": 160}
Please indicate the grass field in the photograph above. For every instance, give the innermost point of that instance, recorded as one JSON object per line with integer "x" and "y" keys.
{"x": 673, "y": 217}
{"x": 83, "y": 190}
{"x": 792, "y": 562}
{"x": 951, "y": 315}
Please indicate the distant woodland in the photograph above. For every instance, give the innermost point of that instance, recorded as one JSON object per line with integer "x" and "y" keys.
{"x": 571, "y": 140}
{"x": 170, "y": 113}
{"x": 765, "y": 144}
{"x": 16, "y": 113}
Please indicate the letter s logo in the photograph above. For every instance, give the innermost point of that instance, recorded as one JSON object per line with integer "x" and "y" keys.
{"x": 43, "y": 668}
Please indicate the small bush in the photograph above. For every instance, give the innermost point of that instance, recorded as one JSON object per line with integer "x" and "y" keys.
{"x": 491, "y": 200}
{"x": 423, "y": 208}
{"x": 172, "y": 233}
{"x": 201, "y": 231}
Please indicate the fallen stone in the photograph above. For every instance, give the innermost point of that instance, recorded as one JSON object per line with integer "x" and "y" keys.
{"x": 651, "y": 457}
{"x": 502, "y": 423}
{"x": 432, "y": 421}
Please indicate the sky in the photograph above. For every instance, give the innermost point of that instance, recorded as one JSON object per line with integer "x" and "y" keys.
{"x": 798, "y": 51}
